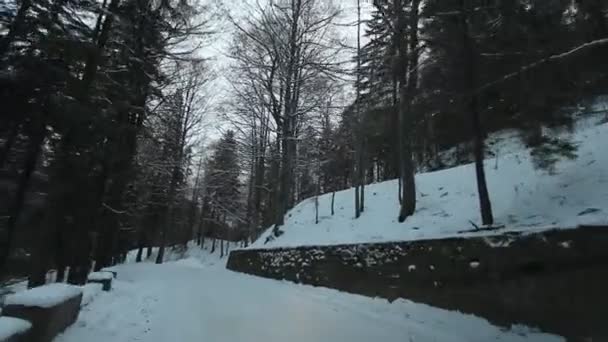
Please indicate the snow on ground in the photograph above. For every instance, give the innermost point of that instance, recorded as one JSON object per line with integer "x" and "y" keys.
{"x": 523, "y": 198}
{"x": 180, "y": 254}
{"x": 90, "y": 291}
{"x": 197, "y": 299}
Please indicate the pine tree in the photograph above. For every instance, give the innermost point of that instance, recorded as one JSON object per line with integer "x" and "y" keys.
{"x": 223, "y": 184}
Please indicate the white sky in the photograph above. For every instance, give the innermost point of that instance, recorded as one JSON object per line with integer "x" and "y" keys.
{"x": 217, "y": 50}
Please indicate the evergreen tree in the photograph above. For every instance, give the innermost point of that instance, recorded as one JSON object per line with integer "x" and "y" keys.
{"x": 223, "y": 185}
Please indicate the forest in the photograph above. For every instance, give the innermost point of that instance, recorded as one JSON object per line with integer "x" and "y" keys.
{"x": 111, "y": 138}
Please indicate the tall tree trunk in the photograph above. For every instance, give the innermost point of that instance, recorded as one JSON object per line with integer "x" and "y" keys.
{"x": 289, "y": 117}
{"x": 485, "y": 205}
{"x": 358, "y": 131}
{"x": 31, "y": 159}
{"x": 408, "y": 187}
{"x": 60, "y": 273}
{"x": 362, "y": 178}
{"x": 317, "y": 193}
{"x": 361, "y": 122}
{"x": 251, "y": 212}
{"x": 168, "y": 215}
{"x": 195, "y": 197}
{"x": 8, "y": 144}
{"x": 470, "y": 60}
{"x": 408, "y": 202}
{"x": 140, "y": 253}
{"x": 356, "y": 184}
{"x": 141, "y": 241}
{"x": 201, "y": 224}
{"x": 257, "y": 190}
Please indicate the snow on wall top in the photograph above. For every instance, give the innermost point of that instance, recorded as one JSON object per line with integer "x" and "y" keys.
{"x": 97, "y": 276}
{"x": 11, "y": 326}
{"x": 524, "y": 198}
{"x": 44, "y": 296}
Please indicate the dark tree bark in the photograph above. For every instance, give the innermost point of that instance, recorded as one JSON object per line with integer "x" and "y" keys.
{"x": 356, "y": 184}
{"x": 60, "y": 274}
{"x": 470, "y": 69}
{"x": 251, "y": 213}
{"x": 8, "y": 144}
{"x": 140, "y": 249}
{"x": 78, "y": 273}
{"x": 170, "y": 205}
{"x": 358, "y": 129}
{"x": 140, "y": 252}
{"x": 201, "y": 223}
{"x": 362, "y": 178}
{"x": 408, "y": 59}
{"x": 289, "y": 117}
{"x": 259, "y": 181}
{"x": 17, "y": 205}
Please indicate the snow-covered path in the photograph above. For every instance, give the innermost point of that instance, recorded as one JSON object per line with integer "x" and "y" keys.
{"x": 187, "y": 301}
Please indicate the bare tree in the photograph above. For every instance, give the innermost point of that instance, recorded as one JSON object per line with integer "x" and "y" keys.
{"x": 185, "y": 113}
{"x": 471, "y": 80}
{"x": 284, "y": 48}
{"x": 405, "y": 65}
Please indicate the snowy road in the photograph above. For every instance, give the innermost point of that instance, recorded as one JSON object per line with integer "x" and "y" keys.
{"x": 187, "y": 301}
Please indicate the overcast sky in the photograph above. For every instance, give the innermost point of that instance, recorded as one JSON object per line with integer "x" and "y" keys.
{"x": 217, "y": 49}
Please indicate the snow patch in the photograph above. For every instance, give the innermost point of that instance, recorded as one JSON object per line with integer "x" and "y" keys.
{"x": 89, "y": 292}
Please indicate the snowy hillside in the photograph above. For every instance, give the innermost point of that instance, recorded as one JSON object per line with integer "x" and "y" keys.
{"x": 523, "y": 198}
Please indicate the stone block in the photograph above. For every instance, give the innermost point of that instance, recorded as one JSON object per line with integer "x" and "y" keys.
{"x": 50, "y": 309}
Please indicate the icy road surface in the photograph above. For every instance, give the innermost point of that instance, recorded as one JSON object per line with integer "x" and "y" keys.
{"x": 194, "y": 301}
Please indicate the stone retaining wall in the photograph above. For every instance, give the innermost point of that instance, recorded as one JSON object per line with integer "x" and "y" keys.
{"x": 555, "y": 280}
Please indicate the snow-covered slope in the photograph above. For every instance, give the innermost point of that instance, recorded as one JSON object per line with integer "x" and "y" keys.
{"x": 523, "y": 198}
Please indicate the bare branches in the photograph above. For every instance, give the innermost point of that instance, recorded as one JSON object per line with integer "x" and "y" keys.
{"x": 553, "y": 58}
